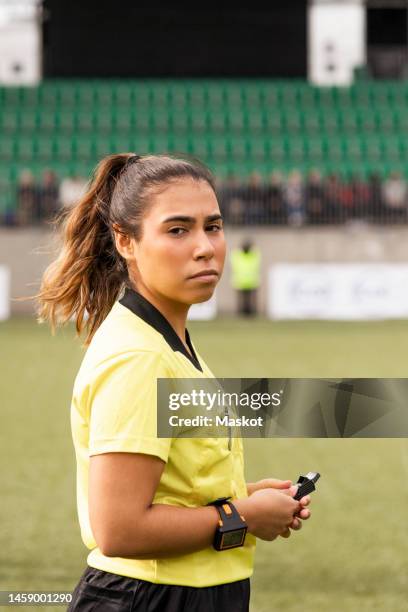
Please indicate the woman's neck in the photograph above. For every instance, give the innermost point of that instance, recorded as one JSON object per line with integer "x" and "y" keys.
{"x": 174, "y": 312}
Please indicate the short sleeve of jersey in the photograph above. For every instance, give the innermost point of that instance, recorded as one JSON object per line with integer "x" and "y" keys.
{"x": 123, "y": 406}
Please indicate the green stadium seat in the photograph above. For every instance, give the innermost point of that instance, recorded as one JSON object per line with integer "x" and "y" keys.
{"x": 142, "y": 120}
{"x": 236, "y": 120}
{"x": 86, "y": 97}
{"x": 178, "y": 96}
{"x": 296, "y": 149}
{"x": 315, "y": 149}
{"x": 254, "y": 122}
{"x": 47, "y": 120}
{"x": 104, "y": 96}
{"x": 12, "y": 97}
{"x": 274, "y": 121}
{"x": 201, "y": 147}
{"x": 160, "y": 144}
{"x": 197, "y": 96}
{"x": 7, "y": 148}
{"x": 330, "y": 120}
{"x": 45, "y": 148}
{"x": 84, "y": 120}
{"x": 122, "y": 120}
{"x": 161, "y": 121}
{"x": 179, "y": 121}
{"x": 49, "y": 97}
{"x": 24, "y": 149}
{"x": 237, "y": 148}
{"x": 66, "y": 121}
{"x": 349, "y": 120}
{"x": 104, "y": 120}
{"x": 180, "y": 143}
{"x": 140, "y": 144}
{"x": 64, "y": 148}
{"x": 31, "y": 97}
{"x": 257, "y": 148}
{"x": 198, "y": 120}
{"x": 143, "y": 99}
{"x": 122, "y": 95}
{"x": 102, "y": 146}
{"x": 9, "y": 121}
{"x": 159, "y": 96}
{"x": 311, "y": 121}
{"x": 28, "y": 120}
{"x": 277, "y": 149}
{"x": 293, "y": 120}
{"x": 217, "y": 121}
{"x": 83, "y": 148}
{"x": 392, "y": 149}
{"x": 270, "y": 97}
{"x": 366, "y": 119}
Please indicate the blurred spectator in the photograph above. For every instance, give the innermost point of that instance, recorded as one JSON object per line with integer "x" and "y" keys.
{"x": 254, "y": 196}
{"x": 72, "y": 188}
{"x": 394, "y": 194}
{"x": 293, "y": 196}
{"x": 346, "y": 199}
{"x": 361, "y": 197}
{"x": 332, "y": 199}
{"x": 375, "y": 199}
{"x": 232, "y": 200}
{"x": 27, "y": 198}
{"x": 246, "y": 276}
{"x": 48, "y": 195}
{"x": 275, "y": 212}
{"x": 315, "y": 198}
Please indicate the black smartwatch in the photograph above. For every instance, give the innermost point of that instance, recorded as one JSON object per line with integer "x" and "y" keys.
{"x": 231, "y": 528}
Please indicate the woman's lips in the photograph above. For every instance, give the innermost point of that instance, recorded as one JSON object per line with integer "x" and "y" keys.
{"x": 205, "y": 275}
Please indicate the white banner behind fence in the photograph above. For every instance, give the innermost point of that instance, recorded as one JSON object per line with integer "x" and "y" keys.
{"x": 4, "y": 293}
{"x": 338, "y": 291}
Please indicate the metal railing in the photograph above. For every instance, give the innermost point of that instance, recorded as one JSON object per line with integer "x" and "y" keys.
{"x": 292, "y": 201}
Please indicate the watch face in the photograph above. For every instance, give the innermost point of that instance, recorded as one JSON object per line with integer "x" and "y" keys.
{"x": 233, "y": 538}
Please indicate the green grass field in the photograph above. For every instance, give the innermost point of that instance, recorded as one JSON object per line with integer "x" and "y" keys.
{"x": 351, "y": 555}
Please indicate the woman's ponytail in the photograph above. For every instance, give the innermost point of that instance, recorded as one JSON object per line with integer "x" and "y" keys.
{"x": 85, "y": 280}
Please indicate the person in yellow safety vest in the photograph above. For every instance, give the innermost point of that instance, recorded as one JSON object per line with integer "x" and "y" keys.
{"x": 246, "y": 276}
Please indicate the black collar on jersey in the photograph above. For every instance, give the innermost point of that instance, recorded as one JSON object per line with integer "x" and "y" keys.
{"x": 149, "y": 313}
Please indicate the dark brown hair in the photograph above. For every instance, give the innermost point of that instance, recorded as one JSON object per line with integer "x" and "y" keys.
{"x": 89, "y": 274}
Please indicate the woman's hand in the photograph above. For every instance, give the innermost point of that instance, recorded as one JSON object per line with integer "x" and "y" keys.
{"x": 276, "y": 483}
{"x": 269, "y": 512}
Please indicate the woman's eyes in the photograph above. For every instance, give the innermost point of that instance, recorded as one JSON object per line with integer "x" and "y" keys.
{"x": 178, "y": 231}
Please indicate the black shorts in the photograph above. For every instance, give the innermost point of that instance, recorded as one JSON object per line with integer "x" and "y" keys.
{"x": 99, "y": 591}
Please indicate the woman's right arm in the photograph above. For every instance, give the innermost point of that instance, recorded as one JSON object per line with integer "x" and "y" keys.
{"x": 126, "y": 523}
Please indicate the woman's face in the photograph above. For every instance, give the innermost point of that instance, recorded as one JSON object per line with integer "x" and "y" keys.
{"x": 182, "y": 236}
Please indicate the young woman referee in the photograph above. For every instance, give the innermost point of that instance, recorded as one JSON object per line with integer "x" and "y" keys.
{"x": 144, "y": 244}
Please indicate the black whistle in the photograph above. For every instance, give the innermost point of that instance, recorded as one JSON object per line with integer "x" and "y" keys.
{"x": 306, "y": 484}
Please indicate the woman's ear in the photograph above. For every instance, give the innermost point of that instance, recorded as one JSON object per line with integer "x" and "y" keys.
{"x": 123, "y": 242}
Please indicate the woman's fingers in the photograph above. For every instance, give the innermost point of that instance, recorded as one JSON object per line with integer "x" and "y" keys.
{"x": 274, "y": 483}
{"x": 304, "y": 514}
{"x": 296, "y": 524}
{"x": 286, "y": 533}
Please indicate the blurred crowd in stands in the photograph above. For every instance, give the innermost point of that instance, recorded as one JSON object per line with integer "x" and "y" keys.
{"x": 282, "y": 200}
{"x": 313, "y": 200}
{"x": 38, "y": 201}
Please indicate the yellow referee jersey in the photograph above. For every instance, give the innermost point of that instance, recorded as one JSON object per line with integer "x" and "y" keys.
{"x": 114, "y": 410}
